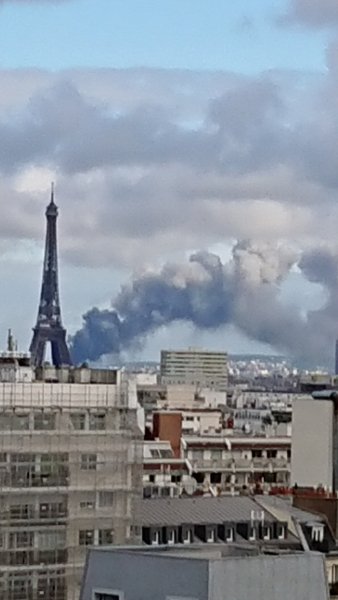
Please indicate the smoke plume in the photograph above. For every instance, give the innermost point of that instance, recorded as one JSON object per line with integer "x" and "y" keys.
{"x": 244, "y": 292}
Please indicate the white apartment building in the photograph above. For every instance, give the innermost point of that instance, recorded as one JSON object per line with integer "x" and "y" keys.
{"x": 234, "y": 463}
{"x": 70, "y": 472}
{"x": 201, "y": 368}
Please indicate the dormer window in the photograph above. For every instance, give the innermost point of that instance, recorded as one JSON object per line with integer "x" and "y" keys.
{"x": 317, "y": 533}
{"x": 187, "y": 536}
{"x": 210, "y": 536}
{"x": 280, "y": 531}
{"x": 155, "y": 538}
{"x": 171, "y": 537}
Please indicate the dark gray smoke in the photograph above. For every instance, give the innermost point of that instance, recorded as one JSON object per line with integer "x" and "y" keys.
{"x": 208, "y": 294}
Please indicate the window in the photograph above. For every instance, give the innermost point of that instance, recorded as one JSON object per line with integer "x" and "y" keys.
{"x": 154, "y": 453}
{"x": 176, "y": 478}
{"x": 87, "y": 505}
{"x": 53, "y": 510}
{"x": 252, "y": 533}
{"x": 271, "y": 453}
{"x": 88, "y": 462}
{"x": 317, "y": 534}
{"x": 256, "y": 453}
{"x": 155, "y": 538}
{"x": 266, "y": 532}
{"x": 21, "y": 539}
{"x": 334, "y": 573}
{"x": 14, "y": 421}
{"x": 229, "y": 534}
{"x": 106, "y": 499}
{"x": 106, "y": 536}
{"x": 53, "y": 470}
{"x": 52, "y": 540}
{"x": 166, "y": 453}
{"x": 44, "y": 421}
{"x": 22, "y": 470}
{"x": 171, "y": 537}
{"x": 187, "y": 536}
{"x": 86, "y": 537}
{"x": 20, "y": 586}
{"x": 21, "y": 512}
{"x": 210, "y": 535}
{"x": 78, "y": 421}
{"x": 51, "y": 584}
{"x": 97, "y": 421}
{"x": 106, "y": 595}
{"x": 280, "y": 531}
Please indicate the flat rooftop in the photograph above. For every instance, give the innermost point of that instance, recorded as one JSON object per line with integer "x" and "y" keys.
{"x": 198, "y": 551}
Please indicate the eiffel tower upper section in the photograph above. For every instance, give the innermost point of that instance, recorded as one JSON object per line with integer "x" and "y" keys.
{"x": 49, "y": 327}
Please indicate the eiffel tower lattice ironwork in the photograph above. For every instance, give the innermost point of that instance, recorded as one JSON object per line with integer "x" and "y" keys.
{"x": 49, "y": 327}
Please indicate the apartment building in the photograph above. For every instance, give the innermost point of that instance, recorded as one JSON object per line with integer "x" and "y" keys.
{"x": 202, "y": 368}
{"x": 200, "y": 572}
{"x": 233, "y": 463}
{"x": 70, "y": 472}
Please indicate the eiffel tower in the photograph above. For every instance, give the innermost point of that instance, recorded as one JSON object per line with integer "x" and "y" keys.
{"x": 48, "y": 327}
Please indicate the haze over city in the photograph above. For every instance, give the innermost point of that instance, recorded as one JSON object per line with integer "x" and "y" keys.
{"x": 194, "y": 151}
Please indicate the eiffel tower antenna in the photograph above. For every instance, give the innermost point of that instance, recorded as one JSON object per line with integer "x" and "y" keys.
{"x": 49, "y": 327}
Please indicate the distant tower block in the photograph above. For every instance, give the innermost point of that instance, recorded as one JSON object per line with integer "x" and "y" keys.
{"x": 48, "y": 327}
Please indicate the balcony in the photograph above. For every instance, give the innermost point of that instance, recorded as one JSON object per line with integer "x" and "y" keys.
{"x": 241, "y": 465}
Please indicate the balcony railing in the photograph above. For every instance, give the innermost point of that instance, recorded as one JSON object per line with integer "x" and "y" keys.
{"x": 240, "y": 464}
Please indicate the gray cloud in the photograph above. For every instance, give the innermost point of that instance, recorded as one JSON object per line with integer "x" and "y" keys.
{"x": 208, "y": 294}
{"x": 173, "y": 175}
{"x": 218, "y": 158}
{"x": 314, "y": 13}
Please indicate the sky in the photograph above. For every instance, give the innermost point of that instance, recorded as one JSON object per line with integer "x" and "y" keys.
{"x": 170, "y": 128}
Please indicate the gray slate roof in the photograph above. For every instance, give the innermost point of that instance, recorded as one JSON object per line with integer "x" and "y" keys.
{"x": 285, "y": 504}
{"x": 198, "y": 510}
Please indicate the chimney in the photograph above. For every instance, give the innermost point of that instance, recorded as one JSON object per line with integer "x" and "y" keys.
{"x": 167, "y": 426}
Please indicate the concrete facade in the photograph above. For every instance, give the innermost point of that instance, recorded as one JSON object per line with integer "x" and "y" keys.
{"x": 70, "y": 471}
{"x": 195, "y": 574}
{"x": 312, "y": 458}
{"x": 198, "y": 367}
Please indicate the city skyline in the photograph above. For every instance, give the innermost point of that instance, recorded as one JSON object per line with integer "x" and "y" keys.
{"x": 207, "y": 128}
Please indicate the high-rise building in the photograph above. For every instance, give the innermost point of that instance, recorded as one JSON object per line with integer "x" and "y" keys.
{"x": 202, "y": 368}
{"x": 70, "y": 472}
{"x": 49, "y": 327}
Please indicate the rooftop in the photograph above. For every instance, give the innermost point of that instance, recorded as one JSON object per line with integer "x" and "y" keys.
{"x": 198, "y": 510}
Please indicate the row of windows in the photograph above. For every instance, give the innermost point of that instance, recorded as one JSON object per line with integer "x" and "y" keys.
{"x": 87, "y": 537}
{"x": 45, "y": 540}
{"x": 26, "y": 467}
{"x": 46, "y": 421}
{"x": 56, "y": 510}
{"x": 50, "y": 585}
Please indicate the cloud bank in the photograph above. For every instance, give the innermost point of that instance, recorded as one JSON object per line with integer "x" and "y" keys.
{"x": 153, "y": 165}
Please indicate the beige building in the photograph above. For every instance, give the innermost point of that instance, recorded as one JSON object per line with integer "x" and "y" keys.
{"x": 70, "y": 471}
{"x": 202, "y": 368}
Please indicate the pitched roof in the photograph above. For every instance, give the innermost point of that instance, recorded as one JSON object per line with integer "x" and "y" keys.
{"x": 196, "y": 510}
